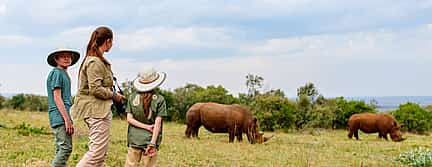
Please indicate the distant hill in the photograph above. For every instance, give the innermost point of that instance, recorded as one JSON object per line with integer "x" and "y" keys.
{"x": 393, "y": 102}
{"x": 8, "y": 95}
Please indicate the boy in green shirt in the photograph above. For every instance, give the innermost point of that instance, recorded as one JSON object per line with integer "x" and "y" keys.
{"x": 59, "y": 102}
{"x": 145, "y": 110}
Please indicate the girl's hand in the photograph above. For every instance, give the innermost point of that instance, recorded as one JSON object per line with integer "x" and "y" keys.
{"x": 150, "y": 128}
{"x": 151, "y": 150}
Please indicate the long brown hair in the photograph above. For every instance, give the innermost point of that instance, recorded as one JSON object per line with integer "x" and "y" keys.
{"x": 146, "y": 98}
{"x": 97, "y": 39}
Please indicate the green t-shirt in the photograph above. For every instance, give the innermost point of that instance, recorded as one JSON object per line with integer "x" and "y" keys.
{"x": 138, "y": 137}
{"x": 58, "y": 78}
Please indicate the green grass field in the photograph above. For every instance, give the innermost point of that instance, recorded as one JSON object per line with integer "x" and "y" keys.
{"x": 19, "y": 147}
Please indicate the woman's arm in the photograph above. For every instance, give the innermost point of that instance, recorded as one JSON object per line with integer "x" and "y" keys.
{"x": 95, "y": 76}
{"x": 131, "y": 120}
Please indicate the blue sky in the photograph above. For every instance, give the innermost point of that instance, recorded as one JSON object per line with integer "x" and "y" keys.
{"x": 364, "y": 48}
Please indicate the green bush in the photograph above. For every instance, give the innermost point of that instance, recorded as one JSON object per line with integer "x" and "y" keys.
{"x": 347, "y": 108}
{"x": 169, "y": 99}
{"x": 416, "y": 158}
{"x": 25, "y": 129}
{"x": 185, "y": 97}
{"x": 2, "y": 101}
{"x": 322, "y": 115}
{"x": 274, "y": 112}
{"x": 28, "y": 102}
{"x": 413, "y": 117}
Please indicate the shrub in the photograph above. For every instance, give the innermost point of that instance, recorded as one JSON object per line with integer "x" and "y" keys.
{"x": 347, "y": 108}
{"x": 185, "y": 97}
{"x": 417, "y": 158}
{"x": 274, "y": 112}
{"x": 26, "y": 129}
{"x": 413, "y": 117}
{"x": 322, "y": 114}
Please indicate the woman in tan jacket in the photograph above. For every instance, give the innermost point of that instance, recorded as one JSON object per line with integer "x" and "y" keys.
{"x": 94, "y": 97}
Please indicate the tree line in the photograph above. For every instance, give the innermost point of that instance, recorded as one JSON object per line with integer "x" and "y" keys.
{"x": 274, "y": 110}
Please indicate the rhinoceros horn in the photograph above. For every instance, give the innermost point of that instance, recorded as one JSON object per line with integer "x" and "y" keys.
{"x": 267, "y": 138}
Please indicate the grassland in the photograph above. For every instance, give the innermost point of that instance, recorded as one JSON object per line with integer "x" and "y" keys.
{"x": 307, "y": 148}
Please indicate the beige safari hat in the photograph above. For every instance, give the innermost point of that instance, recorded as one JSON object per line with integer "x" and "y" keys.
{"x": 148, "y": 80}
{"x": 75, "y": 56}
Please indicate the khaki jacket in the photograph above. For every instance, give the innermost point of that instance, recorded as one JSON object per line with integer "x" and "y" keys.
{"x": 94, "y": 96}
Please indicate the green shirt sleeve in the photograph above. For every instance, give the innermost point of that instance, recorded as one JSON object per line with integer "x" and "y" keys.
{"x": 95, "y": 72}
{"x": 129, "y": 102}
{"x": 162, "y": 110}
{"x": 56, "y": 80}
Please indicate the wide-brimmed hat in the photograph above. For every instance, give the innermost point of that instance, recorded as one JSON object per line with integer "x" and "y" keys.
{"x": 148, "y": 80}
{"x": 51, "y": 57}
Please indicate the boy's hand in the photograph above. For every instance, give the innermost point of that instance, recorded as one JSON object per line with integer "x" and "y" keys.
{"x": 69, "y": 127}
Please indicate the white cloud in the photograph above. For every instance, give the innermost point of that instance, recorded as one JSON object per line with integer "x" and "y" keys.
{"x": 76, "y": 37}
{"x": 30, "y": 77}
{"x": 172, "y": 37}
{"x": 15, "y": 40}
{"x": 229, "y": 72}
{"x": 367, "y": 61}
{"x": 2, "y": 9}
{"x": 362, "y": 44}
{"x": 363, "y": 63}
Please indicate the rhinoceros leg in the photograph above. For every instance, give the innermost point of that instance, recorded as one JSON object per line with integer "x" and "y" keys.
{"x": 356, "y": 134}
{"x": 192, "y": 130}
{"x": 239, "y": 135}
{"x": 195, "y": 132}
{"x": 382, "y": 135}
{"x": 231, "y": 134}
{"x": 188, "y": 131}
{"x": 353, "y": 131}
{"x": 385, "y": 136}
{"x": 350, "y": 134}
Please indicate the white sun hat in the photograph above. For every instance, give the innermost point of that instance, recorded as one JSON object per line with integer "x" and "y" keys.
{"x": 75, "y": 56}
{"x": 148, "y": 80}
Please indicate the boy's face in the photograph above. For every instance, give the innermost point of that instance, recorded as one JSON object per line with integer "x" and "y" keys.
{"x": 63, "y": 59}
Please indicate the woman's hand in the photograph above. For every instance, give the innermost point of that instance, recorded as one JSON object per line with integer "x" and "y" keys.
{"x": 118, "y": 97}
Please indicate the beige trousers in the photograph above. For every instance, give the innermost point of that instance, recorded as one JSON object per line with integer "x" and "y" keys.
{"x": 136, "y": 157}
{"x": 98, "y": 144}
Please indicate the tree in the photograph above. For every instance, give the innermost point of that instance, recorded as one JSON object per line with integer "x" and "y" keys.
{"x": 253, "y": 83}
{"x": 17, "y": 102}
{"x": 184, "y": 98}
{"x": 308, "y": 90}
{"x": 276, "y": 92}
{"x": 306, "y": 96}
{"x": 2, "y": 101}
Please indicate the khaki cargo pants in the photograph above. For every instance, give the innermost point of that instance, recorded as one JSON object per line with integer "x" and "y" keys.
{"x": 98, "y": 144}
{"x": 136, "y": 157}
